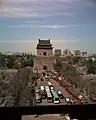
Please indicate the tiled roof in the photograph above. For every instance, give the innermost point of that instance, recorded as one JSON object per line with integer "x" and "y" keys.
{"x": 44, "y": 42}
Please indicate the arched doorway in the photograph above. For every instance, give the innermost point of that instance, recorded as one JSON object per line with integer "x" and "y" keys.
{"x": 44, "y": 67}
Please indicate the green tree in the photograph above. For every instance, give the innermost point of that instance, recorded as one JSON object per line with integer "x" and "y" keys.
{"x": 91, "y": 69}
{"x": 75, "y": 60}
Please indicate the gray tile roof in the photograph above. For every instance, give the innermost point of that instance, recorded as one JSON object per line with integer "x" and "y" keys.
{"x": 44, "y": 42}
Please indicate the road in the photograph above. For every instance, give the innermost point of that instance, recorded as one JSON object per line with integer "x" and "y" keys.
{"x": 57, "y": 87}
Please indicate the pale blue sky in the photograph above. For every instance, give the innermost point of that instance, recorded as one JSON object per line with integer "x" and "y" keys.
{"x": 68, "y": 23}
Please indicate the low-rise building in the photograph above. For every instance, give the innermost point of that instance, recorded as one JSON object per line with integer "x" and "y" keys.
{"x": 57, "y": 52}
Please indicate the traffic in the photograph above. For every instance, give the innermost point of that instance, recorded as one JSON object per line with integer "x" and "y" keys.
{"x": 51, "y": 90}
{"x": 50, "y": 94}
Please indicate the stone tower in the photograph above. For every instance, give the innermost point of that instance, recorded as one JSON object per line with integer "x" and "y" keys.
{"x": 45, "y": 59}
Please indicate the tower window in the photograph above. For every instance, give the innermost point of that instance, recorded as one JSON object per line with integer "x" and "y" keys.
{"x": 45, "y": 53}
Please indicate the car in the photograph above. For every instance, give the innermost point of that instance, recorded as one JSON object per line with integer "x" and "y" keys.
{"x": 38, "y": 98}
{"x": 53, "y": 77}
{"x": 42, "y": 88}
{"x": 80, "y": 96}
{"x": 47, "y": 88}
{"x": 42, "y": 78}
{"x": 60, "y": 94}
{"x": 47, "y": 78}
{"x": 37, "y": 90}
{"x": 67, "y": 99}
{"x": 71, "y": 101}
{"x": 50, "y": 84}
{"x": 52, "y": 89}
{"x": 43, "y": 95}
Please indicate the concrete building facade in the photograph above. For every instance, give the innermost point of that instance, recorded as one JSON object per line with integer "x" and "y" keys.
{"x": 77, "y": 53}
{"x": 67, "y": 52}
{"x": 57, "y": 52}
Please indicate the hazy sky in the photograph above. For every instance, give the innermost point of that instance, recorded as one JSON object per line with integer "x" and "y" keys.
{"x": 68, "y": 23}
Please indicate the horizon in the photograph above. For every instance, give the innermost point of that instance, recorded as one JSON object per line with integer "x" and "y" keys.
{"x": 68, "y": 24}
{"x": 33, "y": 43}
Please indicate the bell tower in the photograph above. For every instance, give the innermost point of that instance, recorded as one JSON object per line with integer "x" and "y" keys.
{"x": 45, "y": 58}
{"x": 44, "y": 48}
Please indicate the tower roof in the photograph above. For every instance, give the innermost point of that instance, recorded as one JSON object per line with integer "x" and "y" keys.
{"x": 44, "y": 44}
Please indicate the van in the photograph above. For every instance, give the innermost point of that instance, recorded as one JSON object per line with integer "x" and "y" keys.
{"x": 42, "y": 88}
{"x": 38, "y": 98}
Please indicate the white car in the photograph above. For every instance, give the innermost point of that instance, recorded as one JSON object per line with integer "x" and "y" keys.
{"x": 53, "y": 77}
{"x": 37, "y": 91}
{"x": 49, "y": 83}
{"x": 80, "y": 96}
{"x": 56, "y": 102}
{"x": 52, "y": 89}
{"x": 59, "y": 92}
{"x": 42, "y": 88}
{"x": 67, "y": 99}
{"x": 46, "y": 77}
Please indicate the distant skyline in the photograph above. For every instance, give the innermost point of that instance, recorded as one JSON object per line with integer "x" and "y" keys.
{"x": 67, "y": 23}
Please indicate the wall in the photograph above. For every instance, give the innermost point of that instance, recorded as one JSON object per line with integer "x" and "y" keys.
{"x": 39, "y": 62}
{"x": 41, "y": 51}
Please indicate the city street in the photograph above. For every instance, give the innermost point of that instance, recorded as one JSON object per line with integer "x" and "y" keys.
{"x": 57, "y": 87}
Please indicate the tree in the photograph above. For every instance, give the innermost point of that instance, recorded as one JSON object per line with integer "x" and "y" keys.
{"x": 28, "y": 62}
{"x": 19, "y": 86}
{"x": 75, "y": 60}
{"x": 91, "y": 69}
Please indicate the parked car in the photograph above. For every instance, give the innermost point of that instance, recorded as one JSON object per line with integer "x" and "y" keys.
{"x": 38, "y": 98}
{"x": 60, "y": 94}
{"x": 43, "y": 95}
{"x": 42, "y": 88}
{"x": 37, "y": 90}
{"x": 42, "y": 78}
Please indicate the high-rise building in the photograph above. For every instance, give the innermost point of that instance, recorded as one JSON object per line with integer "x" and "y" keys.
{"x": 84, "y": 54}
{"x": 77, "y": 52}
{"x": 67, "y": 52}
{"x": 57, "y": 52}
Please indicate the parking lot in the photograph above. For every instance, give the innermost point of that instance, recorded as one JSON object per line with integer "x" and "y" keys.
{"x": 57, "y": 87}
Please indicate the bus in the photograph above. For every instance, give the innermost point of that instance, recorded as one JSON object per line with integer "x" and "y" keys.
{"x": 47, "y": 88}
{"x": 72, "y": 91}
{"x": 56, "y": 98}
{"x": 49, "y": 97}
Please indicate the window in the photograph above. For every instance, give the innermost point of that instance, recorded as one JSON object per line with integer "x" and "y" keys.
{"x": 45, "y": 53}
